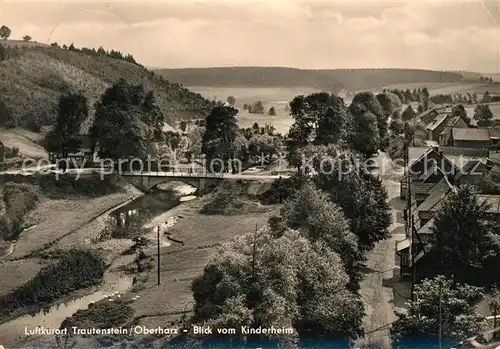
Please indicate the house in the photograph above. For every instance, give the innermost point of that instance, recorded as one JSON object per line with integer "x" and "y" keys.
{"x": 461, "y": 165}
{"x": 420, "y": 222}
{"x": 85, "y": 154}
{"x": 445, "y": 135}
{"x": 431, "y": 182}
{"x": 427, "y": 116}
{"x": 427, "y": 166}
{"x": 495, "y": 138}
{"x": 437, "y": 126}
{"x": 478, "y": 138}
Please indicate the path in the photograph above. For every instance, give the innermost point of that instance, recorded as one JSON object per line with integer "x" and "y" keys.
{"x": 377, "y": 297}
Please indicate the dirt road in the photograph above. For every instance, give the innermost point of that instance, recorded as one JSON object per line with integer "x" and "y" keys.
{"x": 376, "y": 292}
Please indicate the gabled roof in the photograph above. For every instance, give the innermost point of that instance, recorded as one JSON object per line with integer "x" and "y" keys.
{"x": 436, "y": 195}
{"x": 427, "y": 112}
{"x": 439, "y": 120}
{"x": 450, "y": 124}
{"x": 472, "y": 165}
{"x": 494, "y": 133}
{"x": 492, "y": 200}
{"x": 471, "y": 134}
{"x": 416, "y": 153}
{"x": 471, "y": 152}
{"x": 426, "y": 228}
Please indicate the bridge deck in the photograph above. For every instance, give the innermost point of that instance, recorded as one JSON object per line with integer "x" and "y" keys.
{"x": 251, "y": 177}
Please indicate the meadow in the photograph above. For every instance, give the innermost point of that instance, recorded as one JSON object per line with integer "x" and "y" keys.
{"x": 279, "y": 97}
{"x": 270, "y": 96}
{"x": 449, "y": 87}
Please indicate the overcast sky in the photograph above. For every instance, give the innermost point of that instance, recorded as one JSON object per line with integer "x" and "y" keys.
{"x": 441, "y": 35}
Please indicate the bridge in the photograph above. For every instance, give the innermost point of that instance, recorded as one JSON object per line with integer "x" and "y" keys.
{"x": 203, "y": 181}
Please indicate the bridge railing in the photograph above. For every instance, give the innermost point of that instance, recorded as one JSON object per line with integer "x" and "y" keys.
{"x": 198, "y": 174}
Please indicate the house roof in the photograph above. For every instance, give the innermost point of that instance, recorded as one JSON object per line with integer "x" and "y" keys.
{"x": 471, "y": 152}
{"x": 494, "y": 133}
{"x": 426, "y": 228}
{"x": 450, "y": 124}
{"x": 427, "y": 112}
{"x": 492, "y": 200}
{"x": 415, "y": 153}
{"x": 403, "y": 244}
{"x": 472, "y": 165}
{"x": 463, "y": 163}
{"x": 439, "y": 120}
{"x": 471, "y": 134}
{"x": 436, "y": 195}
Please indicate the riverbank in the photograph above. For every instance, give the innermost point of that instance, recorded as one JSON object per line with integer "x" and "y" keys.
{"x": 198, "y": 237}
{"x": 61, "y": 222}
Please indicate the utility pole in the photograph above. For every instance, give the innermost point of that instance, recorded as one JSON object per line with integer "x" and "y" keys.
{"x": 158, "y": 240}
{"x": 413, "y": 267}
{"x": 440, "y": 316}
{"x": 410, "y": 221}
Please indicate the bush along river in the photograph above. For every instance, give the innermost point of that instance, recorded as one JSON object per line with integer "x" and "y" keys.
{"x": 126, "y": 222}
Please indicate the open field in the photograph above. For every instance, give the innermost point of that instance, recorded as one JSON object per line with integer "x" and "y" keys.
{"x": 270, "y": 96}
{"x": 449, "y": 87}
{"x": 25, "y": 141}
{"x": 180, "y": 264}
{"x": 56, "y": 218}
{"x": 15, "y": 273}
{"x": 494, "y": 107}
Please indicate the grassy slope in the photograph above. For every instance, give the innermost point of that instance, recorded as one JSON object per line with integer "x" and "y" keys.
{"x": 350, "y": 79}
{"x": 32, "y": 81}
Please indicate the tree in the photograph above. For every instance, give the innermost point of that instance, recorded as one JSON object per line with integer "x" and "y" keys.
{"x": 464, "y": 245}
{"x": 323, "y": 114}
{"x": 263, "y": 145}
{"x": 372, "y": 106}
{"x": 408, "y": 114}
{"x": 309, "y": 210}
{"x": 362, "y": 197}
{"x": 286, "y": 281}
{"x": 483, "y": 114}
{"x": 127, "y": 122}
{"x": 389, "y": 101}
{"x": 5, "y": 32}
{"x": 183, "y": 125}
{"x": 458, "y": 318}
{"x": 220, "y": 133}
{"x": 459, "y": 110}
{"x": 486, "y": 97}
{"x": 231, "y": 100}
{"x": 172, "y": 139}
{"x": 272, "y": 111}
{"x": 256, "y": 108}
{"x": 27, "y": 38}
{"x": 366, "y": 136}
{"x": 490, "y": 183}
{"x": 425, "y": 98}
{"x": 396, "y": 125}
{"x": 73, "y": 110}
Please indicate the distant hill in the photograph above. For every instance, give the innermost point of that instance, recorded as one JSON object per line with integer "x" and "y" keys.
{"x": 33, "y": 77}
{"x": 330, "y": 79}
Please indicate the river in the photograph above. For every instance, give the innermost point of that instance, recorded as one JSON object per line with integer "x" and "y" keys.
{"x": 12, "y": 332}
